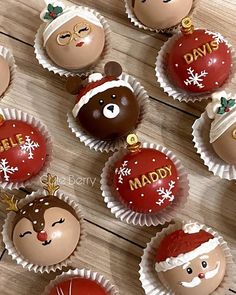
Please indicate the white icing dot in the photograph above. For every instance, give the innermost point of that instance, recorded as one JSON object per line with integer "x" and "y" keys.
{"x": 117, "y": 188}
{"x": 24, "y": 212}
{"x": 36, "y": 210}
{"x": 166, "y": 158}
{"x": 32, "y": 132}
{"x": 228, "y": 51}
{"x": 23, "y": 161}
{"x": 223, "y": 62}
{"x": 150, "y": 210}
{"x": 131, "y": 202}
{"x": 13, "y": 125}
{"x": 42, "y": 224}
{"x": 31, "y": 204}
{"x": 196, "y": 39}
{"x": 28, "y": 174}
{"x": 153, "y": 160}
{"x": 142, "y": 195}
{"x": 217, "y": 83}
{"x": 35, "y": 222}
{"x": 136, "y": 162}
{"x": 46, "y": 203}
{"x": 42, "y": 159}
{"x": 180, "y": 44}
{"x": 176, "y": 65}
{"x": 231, "y": 65}
{"x": 41, "y": 200}
{"x": 178, "y": 177}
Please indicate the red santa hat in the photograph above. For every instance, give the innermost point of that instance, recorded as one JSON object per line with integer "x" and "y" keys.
{"x": 184, "y": 245}
{"x": 97, "y": 83}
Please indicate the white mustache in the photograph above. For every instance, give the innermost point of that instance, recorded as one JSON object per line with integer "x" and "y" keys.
{"x": 197, "y": 281}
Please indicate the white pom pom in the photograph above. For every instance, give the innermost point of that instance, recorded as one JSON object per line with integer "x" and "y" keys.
{"x": 192, "y": 228}
{"x": 95, "y": 77}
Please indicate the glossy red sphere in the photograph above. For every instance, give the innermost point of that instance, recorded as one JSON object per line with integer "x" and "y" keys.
{"x": 199, "y": 62}
{"x": 22, "y": 151}
{"x": 146, "y": 181}
{"x": 78, "y": 286}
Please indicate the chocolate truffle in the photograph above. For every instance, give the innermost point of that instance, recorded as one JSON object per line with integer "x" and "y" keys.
{"x": 106, "y": 106}
{"x": 222, "y": 110}
{"x": 161, "y": 14}
{"x": 46, "y": 231}
{"x": 75, "y": 286}
{"x": 190, "y": 261}
{"x": 23, "y": 151}
{"x": 4, "y": 75}
{"x": 74, "y": 39}
{"x": 145, "y": 179}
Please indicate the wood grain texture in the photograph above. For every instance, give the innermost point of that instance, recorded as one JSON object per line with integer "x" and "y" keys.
{"x": 42, "y": 94}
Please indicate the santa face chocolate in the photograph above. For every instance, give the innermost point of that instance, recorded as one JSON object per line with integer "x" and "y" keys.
{"x": 23, "y": 151}
{"x": 76, "y": 286}
{"x": 146, "y": 180}
{"x": 4, "y": 75}
{"x": 222, "y": 110}
{"x": 161, "y": 14}
{"x": 107, "y": 107}
{"x": 46, "y": 231}
{"x": 75, "y": 39}
{"x": 196, "y": 57}
{"x": 191, "y": 261}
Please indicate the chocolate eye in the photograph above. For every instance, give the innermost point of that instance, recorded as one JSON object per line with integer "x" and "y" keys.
{"x": 64, "y": 38}
{"x": 234, "y": 134}
{"x": 101, "y": 101}
{"x": 113, "y": 96}
{"x": 82, "y": 29}
{"x": 25, "y": 233}
{"x": 58, "y": 222}
{"x": 166, "y": 1}
{"x": 204, "y": 264}
{"x": 189, "y": 270}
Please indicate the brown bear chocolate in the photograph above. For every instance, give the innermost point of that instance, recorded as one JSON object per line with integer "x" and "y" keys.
{"x": 106, "y": 106}
{"x": 222, "y": 110}
{"x": 46, "y": 231}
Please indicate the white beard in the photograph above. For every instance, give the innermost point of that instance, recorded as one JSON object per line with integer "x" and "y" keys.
{"x": 197, "y": 281}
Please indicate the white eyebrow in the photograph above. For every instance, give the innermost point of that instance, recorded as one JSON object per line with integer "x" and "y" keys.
{"x": 186, "y": 265}
{"x": 204, "y": 257}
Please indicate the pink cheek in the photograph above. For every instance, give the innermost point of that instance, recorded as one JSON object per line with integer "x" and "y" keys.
{"x": 96, "y": 114}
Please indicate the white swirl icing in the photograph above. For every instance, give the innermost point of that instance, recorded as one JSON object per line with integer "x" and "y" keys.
{"x": 192, "y": 228}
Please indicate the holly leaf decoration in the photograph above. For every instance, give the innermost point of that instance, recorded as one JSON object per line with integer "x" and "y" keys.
{"x": 53, "y": 12}
{"x": 50, "y": 7}
{"x": 57, "y": 10}
{"x": 47, "y": 16}
{"x": 224, "y": 102}
{"x": 221, "y": 111}
{"x": 231, "y": 103}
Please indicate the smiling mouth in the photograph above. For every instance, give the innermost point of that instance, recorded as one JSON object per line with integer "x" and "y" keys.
{"x": 79, "y": 44}
{"x": 45, "y": 243}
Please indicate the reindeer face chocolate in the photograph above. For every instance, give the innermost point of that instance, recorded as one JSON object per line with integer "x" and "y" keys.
{"x": 74, "y": 39}
{"x": 161, "y": 14}
{"x": 107, "y": 107}
{"x": 46, "y": 231}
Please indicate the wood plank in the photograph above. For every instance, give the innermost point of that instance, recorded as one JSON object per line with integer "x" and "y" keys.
{"x": 43, "y": 95}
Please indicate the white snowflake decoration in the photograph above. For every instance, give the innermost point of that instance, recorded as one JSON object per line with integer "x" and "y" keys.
{"x": 216, "y": 36}
{"x": 195, "y": 78}
{"x": 29, "y": 146}
{"x": 166, "y": 194}
{"x": 123, "y": 171}
{"x": 6, "y": 169}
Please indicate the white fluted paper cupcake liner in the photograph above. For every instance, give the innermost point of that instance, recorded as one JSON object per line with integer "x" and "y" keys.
{"x": 112, "y": 145}
{"x": 132, "y": 17}
{"x": 148, "y": 275}
{"x": 16, "y": 256}
{"x": 172, "y": 90}
{"x": 112, "y": 200}
{"x": 86, "y": 274}
{"x": 48, "y": 64}
{"x": 201, "y": 139}
{"x": 8, "y": 56}
{"x": 13, "y": 114}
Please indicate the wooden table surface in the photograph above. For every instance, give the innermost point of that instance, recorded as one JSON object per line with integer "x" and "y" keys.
{"x": 112, "y": 248}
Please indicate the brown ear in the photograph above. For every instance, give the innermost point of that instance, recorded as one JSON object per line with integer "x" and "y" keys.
{"x": 133, "y": 2}
{"x": 74, "y": 85}
{"x": 113, "y": 69}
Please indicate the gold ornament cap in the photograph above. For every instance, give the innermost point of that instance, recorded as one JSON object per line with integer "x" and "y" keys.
{"x": 187, "y": 26}
{"x": 133, "y": 143}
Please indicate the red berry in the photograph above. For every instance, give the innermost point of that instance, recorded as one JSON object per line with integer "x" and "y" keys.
{"x": 227, "y": 109}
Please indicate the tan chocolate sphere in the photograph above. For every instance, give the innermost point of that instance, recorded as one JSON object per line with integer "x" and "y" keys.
{"x": 200, "y": 276}
{"x": 161, "y": 14}
{"x": 49, "y": 239}
{"x": 4, "y": 75}
{"x": 225, "y": 145}
{"x": 76, "y": 44}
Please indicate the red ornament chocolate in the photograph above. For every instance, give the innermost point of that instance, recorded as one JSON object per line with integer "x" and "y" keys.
{"x": 76, "y": 286}
{"x": 199, "y": 61}
{"x": 22, "y": 151}
{"x": 145, "y": 179}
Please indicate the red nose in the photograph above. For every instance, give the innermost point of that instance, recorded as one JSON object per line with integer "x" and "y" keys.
{"x": 42, "y": 236}
{"x": 201, "y": 276}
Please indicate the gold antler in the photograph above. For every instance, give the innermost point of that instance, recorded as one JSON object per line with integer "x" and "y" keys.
{"x": 11, "y": 202}
{"x": 51, "y": 184}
